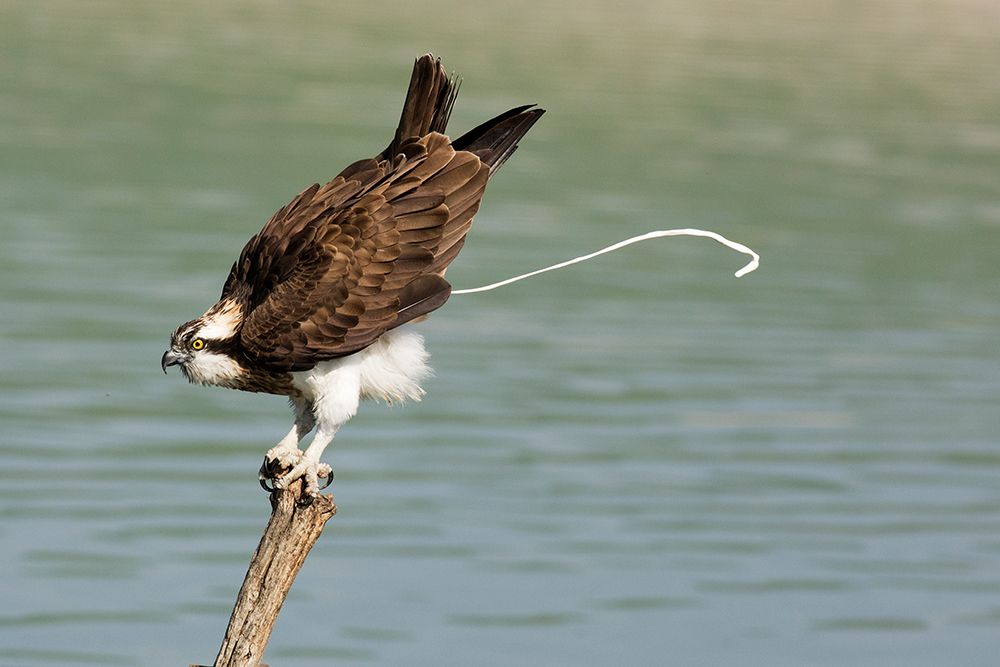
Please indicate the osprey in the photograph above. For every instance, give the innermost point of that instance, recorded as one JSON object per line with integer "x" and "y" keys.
{"x": 313, "y": 307}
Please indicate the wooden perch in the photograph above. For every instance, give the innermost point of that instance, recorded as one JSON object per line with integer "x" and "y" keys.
{"x": 290, "y": 534}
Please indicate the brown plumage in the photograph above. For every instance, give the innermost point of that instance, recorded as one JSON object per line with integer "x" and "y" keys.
{"x": 345, "y": 262}
{"x": 311, "y": 304}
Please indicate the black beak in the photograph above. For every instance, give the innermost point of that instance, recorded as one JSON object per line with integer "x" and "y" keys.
{"x": 170, "y": 358}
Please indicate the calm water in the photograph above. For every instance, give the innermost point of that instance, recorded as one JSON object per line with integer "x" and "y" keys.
{"x": 640, "y": 461}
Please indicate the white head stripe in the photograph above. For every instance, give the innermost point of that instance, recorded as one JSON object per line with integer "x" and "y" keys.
{"x": 221, "y": 322}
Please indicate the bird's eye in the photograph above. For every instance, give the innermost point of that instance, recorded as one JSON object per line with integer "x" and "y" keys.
{"x": 197, "y": 344}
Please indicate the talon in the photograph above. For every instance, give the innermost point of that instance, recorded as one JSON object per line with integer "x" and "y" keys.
{"x": 277, "y": 461}
{"x": 267, "y": 473}
{"x": 309, "y": 471}
{"x": 326, "y": 472}
{"x": 263, "y": 483}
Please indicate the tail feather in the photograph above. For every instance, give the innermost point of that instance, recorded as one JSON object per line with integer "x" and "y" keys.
{"x": 496, "y": 140}
{"x": 428, "y": 104}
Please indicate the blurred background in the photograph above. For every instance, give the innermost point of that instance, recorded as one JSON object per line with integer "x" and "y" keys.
{"x": 637, "y": 461}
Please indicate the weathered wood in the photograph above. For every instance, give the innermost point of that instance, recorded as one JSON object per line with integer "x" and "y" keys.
{"x": 290, "y": 534}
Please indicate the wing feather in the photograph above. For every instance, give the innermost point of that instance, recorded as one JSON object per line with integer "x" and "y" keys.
{"x": 345, "y": 262}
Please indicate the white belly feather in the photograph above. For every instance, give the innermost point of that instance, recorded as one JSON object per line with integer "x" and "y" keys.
{"x": 393, "y": 368}
{"x": 390, "y": 370}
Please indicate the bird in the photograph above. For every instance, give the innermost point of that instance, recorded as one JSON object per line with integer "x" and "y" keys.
{"x": 319, "y": 306}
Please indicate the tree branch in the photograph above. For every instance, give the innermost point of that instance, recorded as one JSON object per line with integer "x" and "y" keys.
{"x": 287, "y": 540}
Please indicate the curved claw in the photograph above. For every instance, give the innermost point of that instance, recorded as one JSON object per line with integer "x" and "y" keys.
{"x": 264, "y": 474}
{"x": 329, "y": 480}
{"x": 305, "y": 500}
{"x": 269, "y": 472}
{"x": 263, "y": 483}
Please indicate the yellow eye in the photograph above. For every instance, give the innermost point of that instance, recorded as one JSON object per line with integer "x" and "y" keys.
{"x": 197, "y": 344}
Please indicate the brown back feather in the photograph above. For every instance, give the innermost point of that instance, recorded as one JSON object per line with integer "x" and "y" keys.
{"x": 329, "y": 274}
{"x": 345, "y": 262}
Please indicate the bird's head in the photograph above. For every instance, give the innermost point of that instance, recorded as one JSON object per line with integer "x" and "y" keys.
{"x": 204, "y": 348}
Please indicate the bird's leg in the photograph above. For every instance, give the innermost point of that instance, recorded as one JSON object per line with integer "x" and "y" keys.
{"x": 309, "y": 466}
{"x": 286, "y": 453}
{"x": 336, "y": 396}
{"x": 279, "y": 458}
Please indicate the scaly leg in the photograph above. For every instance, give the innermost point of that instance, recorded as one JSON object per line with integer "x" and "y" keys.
{"x": 335, "y": 391}
{"x": 286, "y": 453}
{"x": 309, "y": 466}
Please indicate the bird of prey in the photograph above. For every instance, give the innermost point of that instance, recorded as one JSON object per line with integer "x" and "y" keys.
{"x": 314, "y": 307}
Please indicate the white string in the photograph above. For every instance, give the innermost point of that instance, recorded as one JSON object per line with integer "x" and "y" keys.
{"x": 688, "y": 231}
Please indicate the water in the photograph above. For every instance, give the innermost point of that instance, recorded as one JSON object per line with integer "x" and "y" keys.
{"x": 638, "y": 461}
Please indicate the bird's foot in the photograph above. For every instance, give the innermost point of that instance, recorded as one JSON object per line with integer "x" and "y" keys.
{"x": 277, "y": 462}
{"x": 303, "y": 467}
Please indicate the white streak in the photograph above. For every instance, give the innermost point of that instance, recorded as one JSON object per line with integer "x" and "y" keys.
{"x": 221, "y": 321}
{"x": 750, "y": 266}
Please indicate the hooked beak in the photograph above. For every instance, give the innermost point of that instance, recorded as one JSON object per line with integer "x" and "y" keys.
{"x": 170, "y": 358}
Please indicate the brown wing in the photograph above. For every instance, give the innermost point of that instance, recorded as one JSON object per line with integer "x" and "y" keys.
{"x": 342, "y": 264}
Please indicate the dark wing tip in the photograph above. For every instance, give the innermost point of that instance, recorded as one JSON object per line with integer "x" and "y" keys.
{"x": 425, "y": 294}
{"x": 496, "y": 140}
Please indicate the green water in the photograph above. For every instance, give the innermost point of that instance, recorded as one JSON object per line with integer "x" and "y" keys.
{"x": 638, "y": 461}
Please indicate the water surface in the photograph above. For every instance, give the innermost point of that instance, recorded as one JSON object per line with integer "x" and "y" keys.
{"x": 638, "y": 461}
